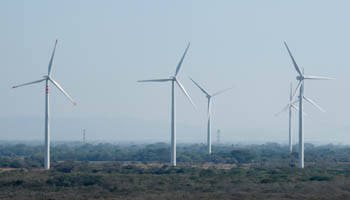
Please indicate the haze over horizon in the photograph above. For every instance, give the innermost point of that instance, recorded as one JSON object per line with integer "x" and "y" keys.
{"x": 105, "y": 47}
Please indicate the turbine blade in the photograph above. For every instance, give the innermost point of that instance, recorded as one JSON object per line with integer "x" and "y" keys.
{"x": 222, "y": 91}
{"x": 296, "y": 90}
{"x": 295, "y": 102}
{"x": 314, "y": 104}
{"x": 33, "y": 82}
{"x": 51, "y": 60}
{"x": 291, "y": 92}
{"x": 286, "y": 107}
{"x": 185, "y": 92}
{"x": 294, "y": 107}
{"x": 202, "y": 89}
{"x": 155, "y": 80}
{"x": 283, "y": 110}
{"x": 294, "y": 63}
{"x": 182, "y": 59}
{"x": 318, "y": 78}
{"x": 62, "y": 90}
{"x": 297, "y": 109}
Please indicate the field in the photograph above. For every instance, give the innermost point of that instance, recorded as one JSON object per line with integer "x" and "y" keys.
{"x": 232, "y": 172}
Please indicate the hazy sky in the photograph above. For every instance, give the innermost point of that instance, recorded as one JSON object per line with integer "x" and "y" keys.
{"x": 106, "y": 46}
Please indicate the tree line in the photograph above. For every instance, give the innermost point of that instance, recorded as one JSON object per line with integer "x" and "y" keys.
{"x": 22, "y": 155}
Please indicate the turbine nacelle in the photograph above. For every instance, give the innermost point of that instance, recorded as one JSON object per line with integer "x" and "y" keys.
{"x": 300, "y": 78}
{"x": 206, "y": 92}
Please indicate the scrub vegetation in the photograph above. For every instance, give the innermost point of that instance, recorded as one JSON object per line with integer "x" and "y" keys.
{"x": 107, "y": 171}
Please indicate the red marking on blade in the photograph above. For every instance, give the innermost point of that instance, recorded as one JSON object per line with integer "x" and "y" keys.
{"x": 47, "y": 89}
{"x": 290, "y": 151}
{"x": 56, "y": 41}
{"x": 14, "y": 87}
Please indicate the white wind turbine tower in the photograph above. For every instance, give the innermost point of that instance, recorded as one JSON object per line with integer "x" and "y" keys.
{"x": 174, "y": 79}
{"x": 209, "y": 97}
{"x": 300, "y": 87}
{"x": 48, "y": 79}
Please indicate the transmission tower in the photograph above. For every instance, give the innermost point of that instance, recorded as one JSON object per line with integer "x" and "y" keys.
{"x": 84, "y": 138}
{"x": 218, "y": 136}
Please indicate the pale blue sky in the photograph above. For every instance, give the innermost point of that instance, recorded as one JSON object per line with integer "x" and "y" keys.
{"x": 106, "y": 46}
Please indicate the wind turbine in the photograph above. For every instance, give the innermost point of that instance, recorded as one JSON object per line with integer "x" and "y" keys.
{"x": 290, "y": 106}
{"x": 174, "y": 80}
{"x": 301, "y": 77}
{"x": 209, "y": 96}
{"x": 48, "y": 79}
